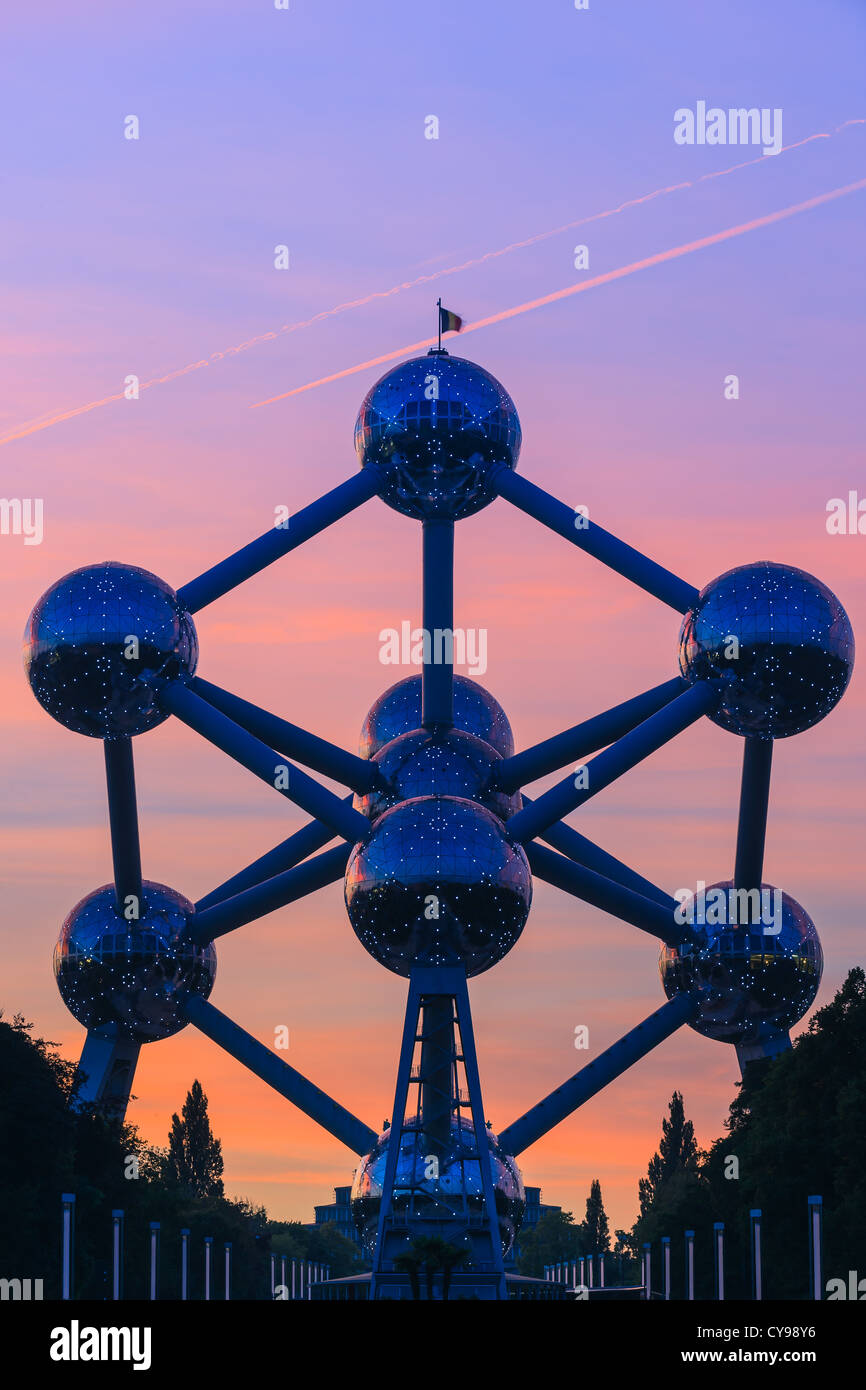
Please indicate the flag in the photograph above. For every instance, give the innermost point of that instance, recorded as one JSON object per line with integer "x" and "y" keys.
{"x": 448, "y": 322}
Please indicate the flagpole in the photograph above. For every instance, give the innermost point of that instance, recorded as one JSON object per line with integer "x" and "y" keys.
{"x": 439, "y": 307}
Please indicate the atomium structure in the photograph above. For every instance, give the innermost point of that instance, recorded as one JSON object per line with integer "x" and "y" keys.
{"x": 436, "y": 841}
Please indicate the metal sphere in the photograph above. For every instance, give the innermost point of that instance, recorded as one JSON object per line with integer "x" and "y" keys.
{"x": 436, "y": 426}
{"x": 441, "y": 763}
{"x": 91, "y": 638}
{"x": 132, "y": 974}
{"x": 434, "y": 1199}
{"x": 437, "y": 882}
{"x": 777, "y": 640}
{"x": 754, "y": 979}
{"x": 398, "y": 711}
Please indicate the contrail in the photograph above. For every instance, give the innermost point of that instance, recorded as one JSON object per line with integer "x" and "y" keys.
{"x": 671, "y": 254}
{"x": 45, "y": 421}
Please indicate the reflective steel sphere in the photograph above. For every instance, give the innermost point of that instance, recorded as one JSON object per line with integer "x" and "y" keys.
{"x": 754, "y": 978}
{"x": 437, "y": 882}
{"x": 398, "y": 711}
{"x": 436, "y": 425}
{"x": 90, "y": 639}
{"x": 779, "y": 640}
{"x": 132, "y": 974}
{"x": 434, "y": 1199}
{"x": 444, "y": 763}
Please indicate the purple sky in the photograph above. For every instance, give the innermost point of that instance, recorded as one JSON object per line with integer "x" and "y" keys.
{"x": 306, "y": 128}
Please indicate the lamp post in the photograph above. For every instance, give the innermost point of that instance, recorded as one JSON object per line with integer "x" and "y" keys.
{"x": 690, "y": 1266}
{"x": 117, "y": 1254}
{"x": 66, "y": 1269}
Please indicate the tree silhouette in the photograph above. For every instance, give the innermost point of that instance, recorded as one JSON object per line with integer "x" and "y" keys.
{"x": 677, "y": 1153}
{"x": 410, "y": 1263}
{"x": 596, "y": 1232}
{"x": 194, "y": 1159}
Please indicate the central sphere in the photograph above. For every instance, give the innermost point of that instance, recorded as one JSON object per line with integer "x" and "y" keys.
{"x": 132, "y": 974}
{"x": 441, "y": 763}
{"x": 437, "y": 426}
{"x": 758, "y": 971}
{"x": 398, "y": 711}
{"x": 417, "y": 1195}
{"x": 437, "y": 882}
{"x": 777, "y": 642}
{"x": 93, "y": 636}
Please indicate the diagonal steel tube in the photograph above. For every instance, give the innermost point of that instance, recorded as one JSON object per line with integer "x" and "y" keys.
{"x": 279, "y": 540}
{"x": 595, "y": 540}
{"x": 261, "y": 760}
{"x": 276, "y": 1073}
{"x": 267, "y": 897}
{"x": 584, "y": 738}
{"x": 620, "y": 757}
{"x": 596, "y": 1075}
{"x": 358, "y": 773}
{"x": 607, "y": 895}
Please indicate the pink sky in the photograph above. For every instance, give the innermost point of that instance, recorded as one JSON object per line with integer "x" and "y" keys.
{"x": 165, "y": 257}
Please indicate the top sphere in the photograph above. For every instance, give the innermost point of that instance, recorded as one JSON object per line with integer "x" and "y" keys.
{"x": 91, "y": 638}
{"x": 398, "y": 711}
{"x": 780, "y": 642}
{"x": 436, "y": 426}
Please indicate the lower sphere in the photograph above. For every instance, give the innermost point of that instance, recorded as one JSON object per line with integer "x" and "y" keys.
{"x": 437, "y": 882}
{"x": 756, "y": 974}
{"x": 458, "y": 1175}
{"x": 132, "y": 974}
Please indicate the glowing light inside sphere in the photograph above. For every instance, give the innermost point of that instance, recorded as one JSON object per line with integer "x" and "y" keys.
{"x": 436, "y": 426}
{"x": 442, "y": 763}
{"x": 398, "y": 711}
{"x": 94, "y": 636}
{"x": 424, "y": 1190}
{"x": 131, "y": 973}
{"x": 779, "y": 643}
{"x": 437, "y": 882}
{"x": 753, "y": 978}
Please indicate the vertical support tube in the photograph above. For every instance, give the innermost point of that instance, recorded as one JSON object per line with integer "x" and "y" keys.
{"x": 228, "y": 1270}
{"x": 754, "y": 803}
{"x": 647, "y": 1270}
{"x": 437, "y": 1029}
{"x": 719, "y": 1259}
{"x": 208, "y": 1265}
{"x": 117, "y": 1254}
{"x": 67, "y": 1257}
{"x": 816, "y": 1248}
{"x": 473, "y": 1082}
{"x": 123, "y": 819}
{"x": 755, "y": 1244}
{"x": 437, "y": 684}
{"x": 601, "y": 1270}
{"x": 294, "y": 1279}
{"x": 666, "y": 1266}
{"x": 284, "y": 1276}
{"x": 690, "y": 1266}
{"x": 154, "y": 1261}
{"x": 273, "y": 1263}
